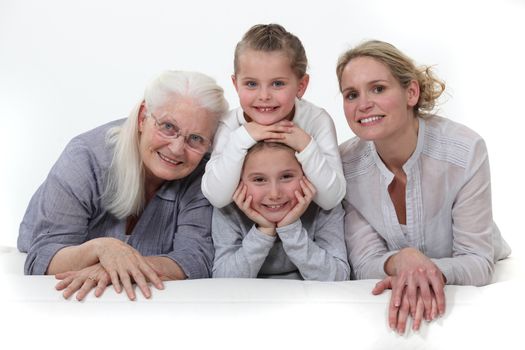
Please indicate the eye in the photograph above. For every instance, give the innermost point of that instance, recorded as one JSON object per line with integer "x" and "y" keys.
{"x": 351, "y": 95}
{"x": 288, "y": 177}
{"x": 196, "y": 140}
{"x": 259, "y": 180}
{"x": 168, "y": 128}
{"x": 378, "y": 89}
{"x": 251, "y": 84}
{"x": 278, "y": 83}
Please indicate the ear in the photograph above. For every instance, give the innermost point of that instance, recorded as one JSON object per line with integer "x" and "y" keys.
{"x": 234, "y": 81}
{"x": 141, "y": 116}
{"x": 303, "y": 84}
{"x": 412, "y": 91}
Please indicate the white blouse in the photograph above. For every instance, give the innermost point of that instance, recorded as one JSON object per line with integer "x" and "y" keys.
{"x": 448, "y": 205}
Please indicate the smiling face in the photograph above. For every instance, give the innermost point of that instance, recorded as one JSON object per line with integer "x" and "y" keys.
{"x": 267, "y": 86}
{"x": 272, "y": 174}
{"x": 376, "y": 106}
{"x": 168, "y": 159}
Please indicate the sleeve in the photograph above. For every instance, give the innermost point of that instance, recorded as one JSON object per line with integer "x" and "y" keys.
{"x": 472, "y": 261}
{"x": 223, "y": 171}
{"x": 321, "y": 163}
{"x": 367, "y": 250}
{"x": 322, "y": 258}
{"x": 59, "y": 212}
{"x": 235, "y": 255}
{"x": 192, "y": 242}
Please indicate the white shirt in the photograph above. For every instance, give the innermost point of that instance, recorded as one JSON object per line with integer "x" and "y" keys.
{"x": 448, "y": 205}
{"x": 320, "y": 160}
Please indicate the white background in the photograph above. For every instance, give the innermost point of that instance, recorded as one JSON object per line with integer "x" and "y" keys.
{"x": 68, "y": 66}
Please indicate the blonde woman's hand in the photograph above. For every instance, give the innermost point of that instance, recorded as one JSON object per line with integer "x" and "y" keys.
{"x": 244, "y": 203}
{"x": 303, "y": 201}
{"x": 416, "y": 273}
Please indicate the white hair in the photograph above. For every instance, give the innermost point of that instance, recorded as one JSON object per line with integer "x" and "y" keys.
{"x": 124, "y": 194}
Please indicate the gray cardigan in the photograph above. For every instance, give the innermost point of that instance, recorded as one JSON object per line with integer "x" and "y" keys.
{"x": 67, "y": 210}
{"x": 311, "y": 248}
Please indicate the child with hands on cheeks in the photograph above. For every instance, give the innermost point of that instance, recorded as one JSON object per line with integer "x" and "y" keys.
{"x": 273, "y": 229}
{"x": 270, "y": 79}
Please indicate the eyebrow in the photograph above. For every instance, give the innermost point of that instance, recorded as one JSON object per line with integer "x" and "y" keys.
{"x": 369, "y": 83}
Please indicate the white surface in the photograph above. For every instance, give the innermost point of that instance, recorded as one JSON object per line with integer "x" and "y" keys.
{"x": 252, "y": 313}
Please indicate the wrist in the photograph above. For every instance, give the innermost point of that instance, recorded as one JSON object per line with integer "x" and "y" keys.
{"x": 270, "y": 231}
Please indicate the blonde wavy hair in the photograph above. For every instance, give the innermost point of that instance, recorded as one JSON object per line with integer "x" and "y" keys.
{"x": 124, "y": 192}
{"x": 401, "y": 67}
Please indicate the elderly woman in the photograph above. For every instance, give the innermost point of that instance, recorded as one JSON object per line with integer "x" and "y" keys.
{"x": 123, "y": 202}
{"x": 418, "y": 204}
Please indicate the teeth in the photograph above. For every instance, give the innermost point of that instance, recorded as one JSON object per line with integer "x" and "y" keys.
{"x": 276, "y": 206}
{"x": 168, "y": 160}
{"x": 266, "y": 109}
{"x": 370, "y": 119}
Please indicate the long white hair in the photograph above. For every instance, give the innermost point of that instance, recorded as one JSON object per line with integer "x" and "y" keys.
{"x": 124, "y": 194}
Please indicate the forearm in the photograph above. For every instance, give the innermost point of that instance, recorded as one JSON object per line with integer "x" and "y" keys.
{"x": 166, "y": 268}
{"x": 244, "y": 260}
{"x": 74, "y": 258}
{"x": 325, "y": 173}
{"x": 315, "y": 262}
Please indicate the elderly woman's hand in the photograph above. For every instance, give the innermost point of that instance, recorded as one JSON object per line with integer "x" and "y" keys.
{"x": 124, "y": 265}
{"x": 415, "y": 273}
{"x": 83, "y": 281}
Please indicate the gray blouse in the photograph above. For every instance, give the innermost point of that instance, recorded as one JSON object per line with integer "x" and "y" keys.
{"x": 311, "y": 248}
{"x": 448, "y": 205}
{"x": 67, "y": 210}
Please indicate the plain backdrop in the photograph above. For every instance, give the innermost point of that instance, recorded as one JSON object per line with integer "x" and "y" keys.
{"x": 69, "y": 66}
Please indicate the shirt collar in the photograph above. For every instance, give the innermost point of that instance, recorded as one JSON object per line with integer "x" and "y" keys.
{"x": 409, "y": 164}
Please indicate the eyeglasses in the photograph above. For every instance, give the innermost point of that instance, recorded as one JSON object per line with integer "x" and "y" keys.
{"x": 170, "y": 130}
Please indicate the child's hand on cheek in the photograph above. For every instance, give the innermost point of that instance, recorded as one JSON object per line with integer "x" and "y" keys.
{"x": 274, "y": 132}
{"x": 244, "y": 203}
{"x": 303, "y": 201}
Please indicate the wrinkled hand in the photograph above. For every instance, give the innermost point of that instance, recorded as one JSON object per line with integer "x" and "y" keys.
{"x": 124, "y": 265}
{"x": 303, "y": 201}
{"x": 244, "y": 203}
{"x": 275, "y": 132}
{"x": 398, "y": 316}
{"x": 83, "y": 281}
{"x": 416, "y": 273}
{"x": 295, "y": 138}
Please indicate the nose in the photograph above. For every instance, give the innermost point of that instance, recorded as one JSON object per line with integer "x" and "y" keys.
{"x": 365, "y": 103}
{"x": 264, "y": 94}
{"x": 275, "y": 191}
{"x": 176, "y": 145}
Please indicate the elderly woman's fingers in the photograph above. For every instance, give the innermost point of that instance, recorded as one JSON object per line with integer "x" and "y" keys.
{"x": 141, "y": 282}
{"x": 86, "y": 287}
{"x": 76, "y": 284}
{"x": 126, "y": 285}
{"x": 101, "y": 286}
{"x": 65, "y": 281}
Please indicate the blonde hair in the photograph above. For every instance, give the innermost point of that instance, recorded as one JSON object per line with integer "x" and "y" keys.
{"x": 273, "y": 37}
{"x": 124, "y": 192}
{"x": 401, "y": 67}
{"x": 262, "y": 145}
